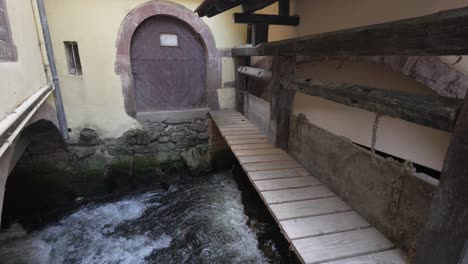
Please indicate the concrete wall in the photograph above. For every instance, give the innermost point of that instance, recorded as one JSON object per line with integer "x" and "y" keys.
{"x": 95, "y": 99}
{"x": 257, "y": 111}
{"x": 20, "y": 79}
{"x": 385, "y": 192}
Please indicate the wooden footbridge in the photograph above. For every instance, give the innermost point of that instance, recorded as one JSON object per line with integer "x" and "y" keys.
{"x": 320, "y": 226}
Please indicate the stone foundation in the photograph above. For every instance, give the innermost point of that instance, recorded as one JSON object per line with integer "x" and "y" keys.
{"x": 53, "y": 175}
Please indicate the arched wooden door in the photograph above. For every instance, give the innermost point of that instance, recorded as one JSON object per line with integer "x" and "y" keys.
{"x": 168, "y": 66}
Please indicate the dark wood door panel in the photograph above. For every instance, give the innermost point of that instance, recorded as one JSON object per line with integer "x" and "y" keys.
{"x": 168, "y": 78}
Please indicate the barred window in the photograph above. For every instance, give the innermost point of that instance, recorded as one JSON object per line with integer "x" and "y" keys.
{"x": 73, "y": 58}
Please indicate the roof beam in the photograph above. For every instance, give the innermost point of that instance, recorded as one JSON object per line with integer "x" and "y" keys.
{"x": 443, "y": 33}
{"x": 433, "y": 111}
{"x": 266, "y": 19}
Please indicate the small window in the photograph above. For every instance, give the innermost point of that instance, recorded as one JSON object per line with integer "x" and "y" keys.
{"x": 169, "y": 40}
{"x": 73, "y": 58}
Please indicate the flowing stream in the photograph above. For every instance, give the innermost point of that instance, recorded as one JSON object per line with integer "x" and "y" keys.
{"x": 198, "y": 220}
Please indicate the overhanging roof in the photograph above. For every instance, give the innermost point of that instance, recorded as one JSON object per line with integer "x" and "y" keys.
{"x": 211, "y": 8}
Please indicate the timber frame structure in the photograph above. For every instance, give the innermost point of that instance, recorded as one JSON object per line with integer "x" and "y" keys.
{"x": 444, "y": 237}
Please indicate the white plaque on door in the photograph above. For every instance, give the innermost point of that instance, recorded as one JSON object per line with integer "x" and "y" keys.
{"x": 169, "y": 40}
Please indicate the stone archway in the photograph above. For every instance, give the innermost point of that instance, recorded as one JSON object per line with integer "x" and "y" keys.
{"x": 124, "y": 40}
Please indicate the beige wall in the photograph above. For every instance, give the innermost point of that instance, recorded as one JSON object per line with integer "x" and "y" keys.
{"x": 95, "y": 98}
{"x": 417, "y": 143}
{"x": 422, "y": 145}
{"x": 19, "y": 80}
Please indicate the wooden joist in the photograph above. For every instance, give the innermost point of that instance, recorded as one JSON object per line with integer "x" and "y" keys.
{"x": 255, "y": 73}
{"x": 243, "y": 18}
{"x": 433, "y": 111}
{"x": 443, "y": 33}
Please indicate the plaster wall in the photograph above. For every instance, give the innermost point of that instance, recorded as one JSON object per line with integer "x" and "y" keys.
{"x": 417, "y": 143}
{"x": 95, "y": 99}
{"x": 20, "y": 79}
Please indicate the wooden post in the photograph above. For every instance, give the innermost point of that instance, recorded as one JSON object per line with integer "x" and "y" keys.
{"x": 281, "y": 101}
{"x": 260, "y": 33}
{"x": 444, "y": 238}
{"x": 241, "y": 82}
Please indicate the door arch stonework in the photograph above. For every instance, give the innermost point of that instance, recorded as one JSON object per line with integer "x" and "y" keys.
{"x": 127, "y": 30}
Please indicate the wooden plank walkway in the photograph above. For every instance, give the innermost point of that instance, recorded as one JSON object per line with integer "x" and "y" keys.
{"x": 320, "y": 226}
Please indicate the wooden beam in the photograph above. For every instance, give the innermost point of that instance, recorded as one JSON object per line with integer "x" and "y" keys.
{"x": 260, "y": 33}
{"x": 445, "y": 236}
{"x": 433, "y": 111}
{"x": 266, "y": 19}
{"x": 241, "y": 83}
{"x": 444, "y": 33}
{"x": 254, "y": 5}
{"x": 281, "y": 101}
{"x": 283, "y": 7}
{"x": 255, "y": 73}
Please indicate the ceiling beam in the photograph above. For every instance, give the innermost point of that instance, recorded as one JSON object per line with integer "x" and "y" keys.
{"x": 443, "y": 33}
{"x": 266, "y": 19}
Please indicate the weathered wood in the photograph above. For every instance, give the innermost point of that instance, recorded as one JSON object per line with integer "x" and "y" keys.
{"x": 277, "y": 173}
{"x": 444, "y": 238}
{"x": 245, "y": 132}
{"x": 278, "y": 184}
{"x": 308, "y": 208}
{"x": 254, "y": 5}
{"x": 281, "y": 101}
{"x": 432, "y": 111}
{"x": 260, "y": 33}
{"x": 394, "y": 256}
{"x": 323, "y": 224}
{"x": 251, "y": 136}
{"x": 253, "y": 152}
{"x": 303, "y": 207}
{"x": 288, "y": 195}
{"x": 252, "y": 146}
{"x": 342, "y": 245}
{"x": 271, "y": 165}
{"x": 255, "y": 73}
{"x": 241, "y": 83}
{"x": 285, "y": 20}
{"x": 247, "y": 141}
{"x": 443, "y": 33}
{"x": 264, "y": 158}
{"x": 283, "y": 7}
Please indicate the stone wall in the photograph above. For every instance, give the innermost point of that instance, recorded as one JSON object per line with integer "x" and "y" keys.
{"x": 388, "y": 194}
{"x": 53, "y": 174}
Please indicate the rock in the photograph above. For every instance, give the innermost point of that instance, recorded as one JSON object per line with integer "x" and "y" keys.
{"x": 180, "y": 128}
{"x": 200, "y": 128}
{"x": 203, "y": 136}
{"x": 168, "y": 130}
{"x": 175, "y": 122}
{"x": 158, "y": 127}
{"x": 88, "y": 137}
{"x": 150, "y": 148}
{"x": 137, "y": 137}
{"x": 166, "y": 146}
{"x": 83, "y": 153}
{"x": 164, "y": 139}
{"x": 154, "y": 135}
{"x": 177, "y": 136}
{"x": 197, "y": 159}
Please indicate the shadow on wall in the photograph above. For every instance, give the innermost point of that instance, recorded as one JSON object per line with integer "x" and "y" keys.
{"x": 32, "y": 187}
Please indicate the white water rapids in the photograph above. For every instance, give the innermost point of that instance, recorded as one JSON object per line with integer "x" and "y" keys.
{"x": 200, "y": 220}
